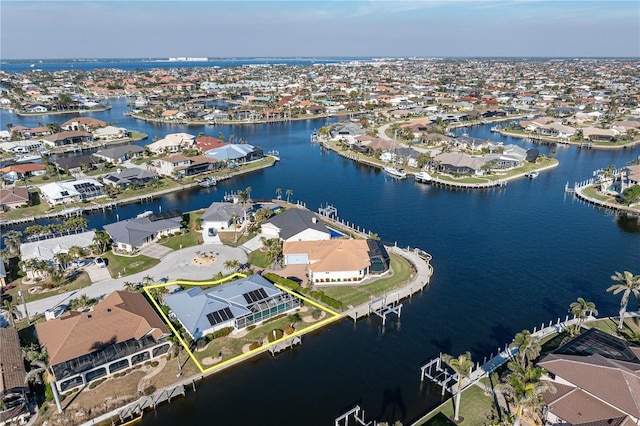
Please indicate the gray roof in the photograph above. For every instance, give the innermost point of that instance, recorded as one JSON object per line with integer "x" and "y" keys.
{"x": 222, "y": 212}
{"x": 119, "y": 151}
{"x": 135, "y": 231}
{"x": 293, "y": 221}
{"x": 126, "y": 175}
{"x": 193, "y": 306}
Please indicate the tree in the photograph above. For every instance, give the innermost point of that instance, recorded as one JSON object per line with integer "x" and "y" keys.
{"x": 12, "y": 240}
{"x": 627, "y": 283}
{"x": 231, "y": 264}
{"x": 580, "y": 308}
{"x": 158, "y": 293}
{"x": 147, "y": 280}
{"x": 11, "y": 311}
{"x": 631, "y": 195}
{"x": 43, "y": 372}
{"x": 289, "y": 193}
{"x": 101, "y": 241}
{"x": 278, "y": 193}
{"x": 528, "y": 347}
{"x": 130, "y": 287}
{"x": 461, "y": 365}
{"x": 524, "y": 389}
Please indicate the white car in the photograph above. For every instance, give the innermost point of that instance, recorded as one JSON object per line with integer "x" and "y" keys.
{"x": 100, "y": 262}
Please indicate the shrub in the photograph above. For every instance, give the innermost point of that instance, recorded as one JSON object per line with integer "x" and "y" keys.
{"x": 290, "y": 284}
{"x": 289, "y": 330}
{"x": 96, "y": 383}
{"x": 275, "y": 335}
{"x": 149, "y": 390}
{"x": 154, "y": 364}
{"x": 222, "y": 332}
{"x": 316, "y": 314}
{"x": 254, "y": 345}
{"x": 251, "y": 327}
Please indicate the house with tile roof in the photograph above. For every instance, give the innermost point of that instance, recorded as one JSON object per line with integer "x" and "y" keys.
{"x": 237, "y": 304}
{"x": 121, "y": 331}
{"x": 13, "y": 390}
{"x": 220, "y": 216}
{"x": 133, "y": 176}
{"x": 16, "y": 172}
{"x": 119, "y": 154}
{"x": 337, "y": 261}
{"x": 597, "y": 381}
{"x": 173, "y": 142}
{"x": 13, "y": 198}
{"x": 71, "y": 137}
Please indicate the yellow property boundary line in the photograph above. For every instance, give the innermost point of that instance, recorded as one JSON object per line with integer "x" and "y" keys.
{"x": 333, "y": 316}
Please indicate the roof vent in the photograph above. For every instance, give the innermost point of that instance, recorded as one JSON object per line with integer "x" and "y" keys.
{"x": 108, "y": 309}
{"x": 89, "y": 316}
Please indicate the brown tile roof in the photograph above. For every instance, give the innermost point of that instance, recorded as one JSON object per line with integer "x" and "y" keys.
{"x": 18, "y": 194}
{"x": 205, "y": 143}
{"x": 23, "y": 168}
{"x": 610, "y": 380}
{"x": 332, "y": 255}
{"x": 119, "y": 317}
{"x": 11, "y": 363}
{"x": 578, "y": 407}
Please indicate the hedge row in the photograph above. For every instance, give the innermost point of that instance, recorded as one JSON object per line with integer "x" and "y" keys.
{"x": 294, "y": 286}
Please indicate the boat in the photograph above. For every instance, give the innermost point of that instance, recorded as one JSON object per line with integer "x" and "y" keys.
{"x": 532, "y": 174}
{"x": 24, "y": 158}
{"x": 395, "y": 172}
{"x": 495, "y": 129}
{"x": 207, "y": 182}
{"x": 422, "y": 177}
{"x": 392, "y": 170}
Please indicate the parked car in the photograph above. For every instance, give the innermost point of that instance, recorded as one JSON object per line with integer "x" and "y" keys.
{"x": 101, "y": 262}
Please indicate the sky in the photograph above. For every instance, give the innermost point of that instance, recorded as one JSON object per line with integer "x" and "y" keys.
{"x": 341, "y": 28}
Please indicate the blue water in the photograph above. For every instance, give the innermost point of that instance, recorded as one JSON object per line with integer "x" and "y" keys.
{"x": 505, "y": 259}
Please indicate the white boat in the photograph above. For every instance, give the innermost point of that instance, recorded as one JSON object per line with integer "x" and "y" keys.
{"x": 395, "y": 172}
{"x": 26, "y": 157}
{"x": 532, "y": 174}
{"x": 422, "y": 177}
{"x": 392, "y": 170}
{"x": 207, "y": 182}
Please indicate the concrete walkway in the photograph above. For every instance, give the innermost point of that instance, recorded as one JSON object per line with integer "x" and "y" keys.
{"x": 176, "y": 265}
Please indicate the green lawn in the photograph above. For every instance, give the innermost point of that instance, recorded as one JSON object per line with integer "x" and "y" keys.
{"x": 356, "y": 295}
{"x": 191, "y": 238}
{"x": 630, "y": 330}
{"x": 73, "y": 283}
{"x": 124, "y": 265}
{"x": 476, "y": 408}
{"x": 259, "y": 258}
{"x": 592, "y": 192}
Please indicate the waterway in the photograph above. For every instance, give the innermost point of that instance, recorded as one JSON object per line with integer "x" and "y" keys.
{"x": 505, "y": 259}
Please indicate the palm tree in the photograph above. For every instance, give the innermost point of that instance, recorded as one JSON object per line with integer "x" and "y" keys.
{"x": 101, "y": 241}
{"x": 147, "y": 280}
{"x": 289, "y": 193}
{"x": 62, "y": 260}
{"x": 524, "y": 388}
{"x": 278, "y": 193}
{"x": 580, "y": 308}
{"x": 12, "y": 240}
{"x": 627, "y": 284}
{"x": 158, "y": 293}
{"x": 231, "y": 264}
{"x": 12, "y": 312}
{"x": 461, "y": 365}
{"x": 130, "y": 287}
{"x": 528, "y": 347}
{"x": 43, "y": 371}
{"x": 176, "y": 348}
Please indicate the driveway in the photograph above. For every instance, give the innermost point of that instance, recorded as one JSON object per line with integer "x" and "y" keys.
{"x": 155, "y": 250}
{"x": 176, "y": 265}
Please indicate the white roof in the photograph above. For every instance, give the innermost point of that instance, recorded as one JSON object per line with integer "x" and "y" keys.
{"x": 47, "y": 249}
{"x": 60, "y": 190}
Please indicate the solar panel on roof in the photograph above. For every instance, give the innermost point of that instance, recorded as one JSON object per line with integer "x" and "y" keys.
{"x": 255, "y": 295}
{"x": 219, "y": 316}
{"x": 165, "y": 215}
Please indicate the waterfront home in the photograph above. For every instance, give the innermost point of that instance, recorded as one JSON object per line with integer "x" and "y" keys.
{"x": 21, "y": 147}
{"x": 458, "y": 163}
{"x": 46, "y": 248}
{"x": 235, "y": 153}
{"x": 633, "y": 174}
{"x": 73, "y": 137}
{"x": 14, "y": 391}
{"x": 131, "y": 177}
{"x": 347, "y": 129}
{"x": 597, "y": 381}
{"x": 179, "y": 166}
{"x": 76, "y": 163}
{"x": 130, "y": 235}
{"x": 119, "y": 154}
{"x": 237, "y": 304}
{"x": 13, "y": 198}
{"x": 88, "y": 124}
{"x": 296, "y": 224}
{"x": 337, "y": 261}
{"x": 596, "y": 134}
{"x": 16, "y": 172}
{"x": 206, "y": 143}
{"x": 172, "y": 143}
{"x": 121, "y": 331}
{"x": 220, "y": 216}
{"x": 71, "y": 191}
{"x": 110, "y": 133}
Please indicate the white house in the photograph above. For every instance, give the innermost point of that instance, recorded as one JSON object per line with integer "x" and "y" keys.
{"x": 296, "y": 224}
{"x": 219, "y": 217}
{"x": 71, "y": 191}
{"x": 174, "y": 142}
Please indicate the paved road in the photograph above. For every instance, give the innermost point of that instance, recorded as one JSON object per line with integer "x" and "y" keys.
{"x": 174, "y": 266}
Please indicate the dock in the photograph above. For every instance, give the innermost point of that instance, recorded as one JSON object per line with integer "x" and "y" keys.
{"x": 468, "y": 185}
